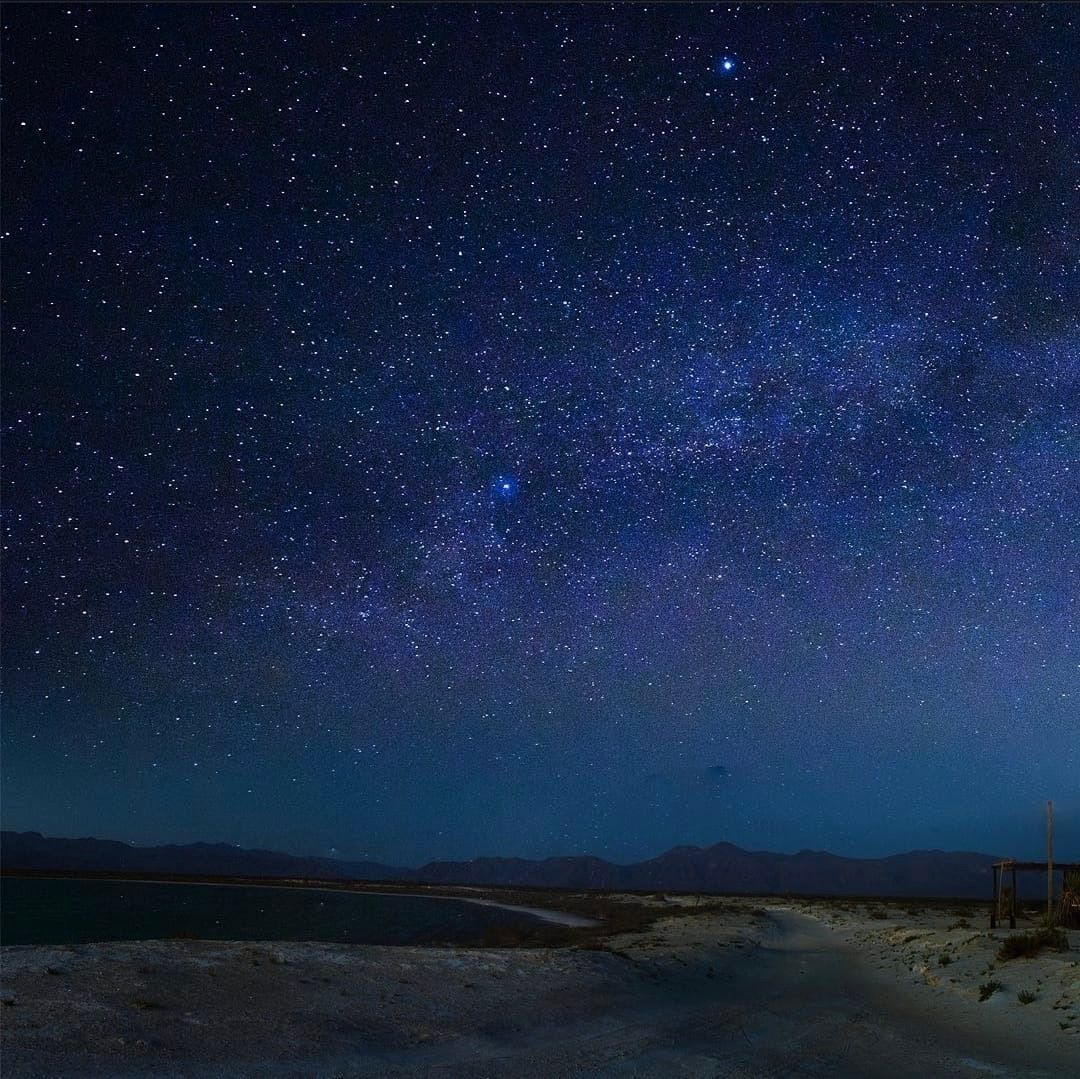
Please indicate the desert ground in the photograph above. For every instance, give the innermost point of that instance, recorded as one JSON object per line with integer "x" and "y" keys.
{"x": 696, "y": 987}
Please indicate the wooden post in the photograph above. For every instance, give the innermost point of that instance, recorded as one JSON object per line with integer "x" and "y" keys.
{"x": 1012, "y": 907}
{"x": 1001, "y": 892}
{"x": 994, "y": 901}
{"x": 1049, "y": 863}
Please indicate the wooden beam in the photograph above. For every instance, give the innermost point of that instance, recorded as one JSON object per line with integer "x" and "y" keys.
{"x": 1012, "y": 906}
{"x": 1001, "y": 893}
{"x": 1049, "y": 863}
{"x": 1039, "y": 867}
{"x": 994, "y": 900}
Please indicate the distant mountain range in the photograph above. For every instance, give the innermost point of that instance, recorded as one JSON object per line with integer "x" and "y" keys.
{"x": 719, "y": 868}
{"x": 32, "y": 850}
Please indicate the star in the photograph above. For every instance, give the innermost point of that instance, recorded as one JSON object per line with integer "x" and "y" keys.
{"x": 551, "y": 406}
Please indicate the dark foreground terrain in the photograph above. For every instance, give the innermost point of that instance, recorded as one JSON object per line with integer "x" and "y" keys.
{"x": 736, "y": 990}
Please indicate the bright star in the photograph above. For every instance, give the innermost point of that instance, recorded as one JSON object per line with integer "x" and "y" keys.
{"x": 505, "y": 486}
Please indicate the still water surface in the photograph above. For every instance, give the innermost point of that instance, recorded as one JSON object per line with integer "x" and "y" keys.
{"x": 70, "y": 911}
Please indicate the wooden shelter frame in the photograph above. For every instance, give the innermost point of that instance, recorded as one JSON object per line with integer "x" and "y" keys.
{"x": 1012, "y": 866}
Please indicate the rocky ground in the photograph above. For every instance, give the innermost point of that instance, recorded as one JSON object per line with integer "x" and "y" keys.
{"x": 951, "y": 951}
{"x": 754, "y": 988}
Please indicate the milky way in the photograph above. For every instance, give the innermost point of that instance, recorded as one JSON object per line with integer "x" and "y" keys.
{"x": 443, "y": 431}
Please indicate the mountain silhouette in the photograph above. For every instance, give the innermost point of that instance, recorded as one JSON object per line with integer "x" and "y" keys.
{"x": 719, "y": 868}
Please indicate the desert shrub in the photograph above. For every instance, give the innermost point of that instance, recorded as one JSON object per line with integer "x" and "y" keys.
{"x": 944, "y": 959}
{"x": 1069, "y": 910}
{"x": 1025, "y": 996}
{"x": 988, "y": 989}
{"x": 1021, "y": 945}
{"x": 877, "y": 912}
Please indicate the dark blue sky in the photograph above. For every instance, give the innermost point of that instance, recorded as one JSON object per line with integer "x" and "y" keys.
{"x": 435, "y": 431}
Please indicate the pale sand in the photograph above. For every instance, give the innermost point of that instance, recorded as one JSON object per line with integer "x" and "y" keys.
{"x": 553, "y": 917}
{"x": 786, "y": 989}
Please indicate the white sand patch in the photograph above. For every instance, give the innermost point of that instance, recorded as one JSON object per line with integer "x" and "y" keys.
{"x": 758, "y": 988}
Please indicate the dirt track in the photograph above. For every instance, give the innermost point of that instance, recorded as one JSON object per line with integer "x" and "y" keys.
{"x": 767, "y": 995}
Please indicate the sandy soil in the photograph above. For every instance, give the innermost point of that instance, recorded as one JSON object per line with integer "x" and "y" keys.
{"x": 545, "y": 914}
{"x": 759, "y": 989}
{"x": 951, "y": 952}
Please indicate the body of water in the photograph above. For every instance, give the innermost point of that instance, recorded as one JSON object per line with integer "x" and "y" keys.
{"x": 72, "y": 911}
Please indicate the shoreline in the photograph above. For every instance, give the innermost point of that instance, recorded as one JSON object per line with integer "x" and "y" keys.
{"x": 549, "y": 916}
{"x": 742, "y": 990}
{"x": 739, "y": 989}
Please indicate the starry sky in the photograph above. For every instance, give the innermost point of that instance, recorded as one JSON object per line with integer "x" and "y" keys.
{"x": 439, "y": 431}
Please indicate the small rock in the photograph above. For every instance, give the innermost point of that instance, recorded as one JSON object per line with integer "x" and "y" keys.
{"x": 7, "y": 997}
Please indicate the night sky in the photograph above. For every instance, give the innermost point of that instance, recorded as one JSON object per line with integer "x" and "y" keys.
{"x": 442, "y": 431}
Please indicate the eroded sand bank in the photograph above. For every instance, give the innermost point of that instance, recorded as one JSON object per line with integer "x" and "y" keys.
{"x": 759, "y": 989}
